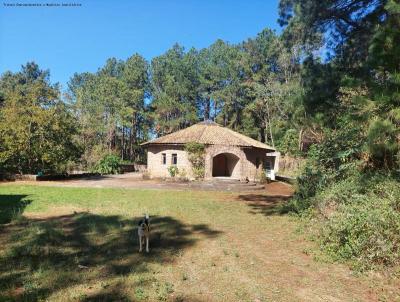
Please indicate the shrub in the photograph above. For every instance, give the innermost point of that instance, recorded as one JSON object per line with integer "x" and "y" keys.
{"x": 308, "y": 184}
{"x": 182, "y": 174}
{"x": 173, "y": 171}
{"x": 198, "y": 172}
{"x": 339, "y": 147}
{"x": 109, "y": 164}
{"x": 196, "y": 157}
{"x": 382, "y": 143}
{"x": 354, "y": 210}
{"x": 289, "y": 143}
{"x": 360, "y": 220}
{"x": 367, "y": 232}
{"x": 93, "y": 155}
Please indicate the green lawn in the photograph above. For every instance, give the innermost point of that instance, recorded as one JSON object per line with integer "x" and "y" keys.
{"x": 73, "y": 244}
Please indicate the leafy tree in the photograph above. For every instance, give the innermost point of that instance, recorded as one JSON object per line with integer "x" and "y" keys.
{"x": 346, "y": 25}
{"x": 273, "y": 85}
{"x": 37, "y": 129}
{"x": 351, "y": 100}
{"x": 110, "y": 106}
{"x": 174, "y": 82}
{"x": 135, "y": 121}
{"x": 219, "y": 83}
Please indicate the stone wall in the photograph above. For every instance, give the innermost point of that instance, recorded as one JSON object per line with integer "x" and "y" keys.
{"x": 214, "y": 150}
{"x": 245, "y": 167}
{"x": 255, "y": 156}
{"x": 154, "y": 160}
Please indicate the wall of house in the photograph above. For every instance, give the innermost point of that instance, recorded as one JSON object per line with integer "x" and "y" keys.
{"x": 226, "y": 164}
{"x": 252, "y": 171}
{"x": 236, "y": 167}
{"x": 154, "y": 160}
{"x": 233, "y": 165}
{"x": 246, "y": 166}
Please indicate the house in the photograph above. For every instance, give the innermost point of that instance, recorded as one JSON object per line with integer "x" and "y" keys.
{"x": 227, "y": 153}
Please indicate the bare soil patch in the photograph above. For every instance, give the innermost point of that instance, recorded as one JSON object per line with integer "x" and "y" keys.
{"x": 135, "y": 181}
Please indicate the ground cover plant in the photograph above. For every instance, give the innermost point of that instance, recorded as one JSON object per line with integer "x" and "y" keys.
{"x": 79, "y": 244}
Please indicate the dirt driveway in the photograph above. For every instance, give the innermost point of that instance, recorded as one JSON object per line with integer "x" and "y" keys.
{"x": 135, "y": 181}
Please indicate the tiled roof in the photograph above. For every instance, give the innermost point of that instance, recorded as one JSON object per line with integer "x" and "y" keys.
{"x": 209, "y": 133}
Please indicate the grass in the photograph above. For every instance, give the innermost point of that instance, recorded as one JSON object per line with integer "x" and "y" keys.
{"x": 74, "y": 244}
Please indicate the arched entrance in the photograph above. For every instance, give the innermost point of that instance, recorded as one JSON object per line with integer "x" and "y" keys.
{"x": 225, "y": 164}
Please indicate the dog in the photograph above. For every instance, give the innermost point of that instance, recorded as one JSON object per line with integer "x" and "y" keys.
{"x": 144, "y": 233}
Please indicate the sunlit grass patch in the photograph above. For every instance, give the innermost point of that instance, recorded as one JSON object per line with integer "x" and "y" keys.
{"x": 73, "y": 244}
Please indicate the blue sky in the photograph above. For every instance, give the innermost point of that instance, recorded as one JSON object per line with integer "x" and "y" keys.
{"x": 77, "y": 39}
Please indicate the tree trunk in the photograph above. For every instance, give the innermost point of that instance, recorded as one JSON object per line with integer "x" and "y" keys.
{"x": 122, "y": 142}
{"x": 130, "y": 144}
{"x": 262, "y": 133}
{"x": 215, "y": 110}
{"x": 115, "y": 131}
{"x": 133, "y": 135}
{"x": 207, "y": 107}
{"x": 269, "y": 125}
{"x": 301, "y": 140}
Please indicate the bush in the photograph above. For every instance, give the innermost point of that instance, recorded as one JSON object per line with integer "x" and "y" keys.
{"x": 339, "y": 147}
{"x": 382, "y": 143}
{"x": 308, "y": 184}
{"x": 368, "y": 233}
{"x": 360, "y": 220}
{"x": 289, "y": 143}
{"x": 354, "y": 210}
{"x": 109, "y": 164}
{"x": 183, "y": 174}
{"x": 335, "y": 159}
{"x": 173, "y": 171}
{"x": 196, "y": 157}
{"x": 92, "y": 156}
{"x": 198, "y": 172}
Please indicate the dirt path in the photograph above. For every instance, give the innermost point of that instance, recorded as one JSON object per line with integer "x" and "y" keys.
{"x": 269, "y": 260}
{"x": 135, "y": 181}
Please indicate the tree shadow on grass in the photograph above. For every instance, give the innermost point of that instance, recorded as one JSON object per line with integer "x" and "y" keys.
{"x": 264, "y": 204}
{"x": 12, "y": 206}
{"x": 87, "y": 177}
{"x": 47, "y": 255}
{"x": 115, "y": 295}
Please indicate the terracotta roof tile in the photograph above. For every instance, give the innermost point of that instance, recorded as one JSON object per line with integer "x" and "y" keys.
{"x": 209, "y": 133}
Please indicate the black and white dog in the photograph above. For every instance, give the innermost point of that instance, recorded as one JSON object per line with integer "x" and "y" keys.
{"x": 144, "y": 232}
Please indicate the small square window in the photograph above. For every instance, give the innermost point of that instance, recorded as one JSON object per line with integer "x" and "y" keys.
{"x": 174, "y": 159}
{"x": 164, "y": 158}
